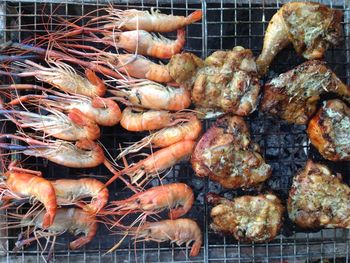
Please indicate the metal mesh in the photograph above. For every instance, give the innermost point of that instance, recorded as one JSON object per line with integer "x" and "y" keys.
{"x": 225, "y": 24}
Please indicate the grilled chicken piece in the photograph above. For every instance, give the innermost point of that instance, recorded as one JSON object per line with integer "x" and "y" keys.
{"x": 183, "y": 68}
{"x": 329, "y": 131}
{"x": 293, "y": 95}
{"x": 247, "y": 218}
{"x": 227, "y": 155}
{"x": 319, "y": 199}
{"x": 227, "y": 82}
{"x": 310, "y": 27}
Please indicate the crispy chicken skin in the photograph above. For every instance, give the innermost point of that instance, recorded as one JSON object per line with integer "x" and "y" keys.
{"x": 247, "y": 218}
{"x": 318, "y": 198}
{"x": 310, "y": 27}
{"x": 227, "y": 155}
{"x": 227, "y": 81}
{"x": 293, "y": 95}
{"x": 329, "y": 131}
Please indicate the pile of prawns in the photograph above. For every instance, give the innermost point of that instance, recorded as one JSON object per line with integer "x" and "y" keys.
{"x": 60, "y": 121}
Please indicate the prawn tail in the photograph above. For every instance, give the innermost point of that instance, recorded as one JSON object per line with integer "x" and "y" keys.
{"x": 196, "y": 247}
{"x": 95, "y": 80}
{"x": 78, "y": 243}
{"x": 180, "y": 41}
{"x": 176, "y": 213}
{"x": 48, "y": 220}
{"x": 194, "y": 17}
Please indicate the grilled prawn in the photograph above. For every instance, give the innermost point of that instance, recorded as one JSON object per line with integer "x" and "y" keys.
{"x": 167, "y": 136}
{"x": 319, "y": 198}
{"x": 310, "y": 27}
{"x": 73, "y": 220}
{"x": 141, "y": 172}
{"x": 227, "y": 155}
{"x": 18, "y": 185}
{"x": 82, "y": 154}
{"x": 70, "y": 191}
{"x": 329, "y": 131}
{"x": 176, "y": 197}
{"x": 151, "y": 95}
{"x": 134, "y": 119}
{"x": 247, "y": 218}
{"x": 180, "y": 231}
{"x": 64, "y": 77}
{"x": 103, "y": 111}
{"x": 152, "y": 21}
{"x": 131, "y": 65}
{"x": 138, "y": 66}
{"x": 293, "y": 95}
{"x": 144, "y": 43}
{"x": 74, "y": 127}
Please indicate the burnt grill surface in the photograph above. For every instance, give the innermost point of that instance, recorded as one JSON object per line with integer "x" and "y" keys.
{"x": 285, "y": 146}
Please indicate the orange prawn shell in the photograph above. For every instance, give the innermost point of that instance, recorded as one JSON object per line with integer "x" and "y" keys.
{"x": 89, "y": 223}
{"x": 187, "y": 131}
{"x": 145, "y": 120}
{"x": 157, "y": 97}
{"x": 159, "y": 197}
{"x": 142, "y": 68}
{"x": 80, "y": 188}
{"x": 113, "y": 113}
{"x": 29, "y": 185}
{"x": 182, "y": 230}
{"x": 167, "y": 157}
{"x": 146, "y": 44}
{"x": 153, "y": 21}
{"x": 90, "y": 127}
{"x": 175, "y": 99}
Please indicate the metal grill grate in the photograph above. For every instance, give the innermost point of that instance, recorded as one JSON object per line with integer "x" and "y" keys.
{"x": 286, "y": 147}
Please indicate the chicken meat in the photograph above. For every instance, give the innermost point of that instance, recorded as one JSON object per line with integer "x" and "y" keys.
{"x": 293, "y": 95}
{"x": 318, "y": 198}
{"x": 329, "y": 131}
{"x": 310, "y": 27}
{"x": 226, "y": 82}
{"x": 247, "y": 218}
{"x": 227, "y": 155}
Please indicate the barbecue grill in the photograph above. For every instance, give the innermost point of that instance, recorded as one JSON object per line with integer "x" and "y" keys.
{"x": 225, "y": 24}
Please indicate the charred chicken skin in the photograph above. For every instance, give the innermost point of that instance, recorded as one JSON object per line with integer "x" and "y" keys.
{"x": 293, "y": 95}
{"x": 329, "y": 131}
{"x": 310, "y": 27}
{"x": 227, "y": 155}
{"x": 319, "y": 199}
{"x": 227, "y": 81}
{"x": 247, "y": 218}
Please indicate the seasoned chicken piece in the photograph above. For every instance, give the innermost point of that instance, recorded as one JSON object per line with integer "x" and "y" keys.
{"x": 247, "y": 218}
{"x": 293, "y": 95}
{"x": 310, "y": 27}
{"x": 227, "y": 82}
{"x": 227, "y": 155}
{"x": 183, "y": 68}
{"x": 319, "y": 199}
{"x": 329, "y": 131}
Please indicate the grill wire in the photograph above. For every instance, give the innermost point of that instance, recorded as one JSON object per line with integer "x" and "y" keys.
{"x": 225, "y": 24}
